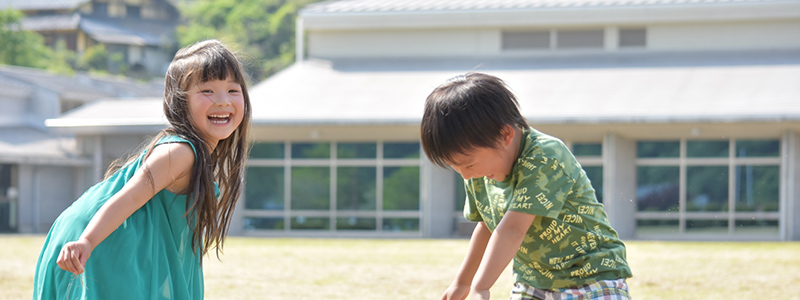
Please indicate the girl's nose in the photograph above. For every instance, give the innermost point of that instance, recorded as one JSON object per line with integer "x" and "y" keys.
{"x": 222, "y": 101}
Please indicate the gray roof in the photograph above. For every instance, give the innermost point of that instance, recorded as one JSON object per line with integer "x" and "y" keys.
{"x": 24, "y": 144}
{"x": 380, "y": 6}
{"x": 646, "y": 88}
{"x": 129, "y": 31}
{"x": 135, "y": 112}
{"x": 83, "y": 86}
{"x": 51, "y": 22}
{"x": 41, "y": 4}
{"x": 587, "y": 89}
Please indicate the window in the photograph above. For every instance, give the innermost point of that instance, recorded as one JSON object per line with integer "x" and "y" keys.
{"x": 708, "y": 187}
{"x": 133, "y": 11}
{"x": 572, "y": 39}
{"x": 9, "y": 195}
{"x": 100, "y": 9}
{"x": 590, "y": 156}
{"x": 333, "y": 186}
{"x": 632, "y": 37}
{"x": 552, "y": 39}
{"x": 513, "y": 40}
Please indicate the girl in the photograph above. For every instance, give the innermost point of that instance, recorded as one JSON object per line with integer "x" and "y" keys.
{"x": 149, "y": 222}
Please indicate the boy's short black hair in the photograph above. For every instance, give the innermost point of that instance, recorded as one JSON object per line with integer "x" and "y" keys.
{"x": 467, "y": 112}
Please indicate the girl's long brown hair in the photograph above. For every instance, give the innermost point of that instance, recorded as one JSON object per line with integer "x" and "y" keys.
{"x": 208, "y": 216}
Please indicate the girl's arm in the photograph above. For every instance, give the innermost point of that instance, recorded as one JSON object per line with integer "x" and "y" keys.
{"x": 168, "y": 166}
{"x": 459, "y": 289}
{"x": 503, "y": 245}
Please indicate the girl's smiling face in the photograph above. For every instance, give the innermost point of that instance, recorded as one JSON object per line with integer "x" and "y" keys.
{"x": 216, "y": 108}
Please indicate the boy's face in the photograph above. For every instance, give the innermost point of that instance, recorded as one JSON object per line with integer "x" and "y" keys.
{"x": 492, "y": 163}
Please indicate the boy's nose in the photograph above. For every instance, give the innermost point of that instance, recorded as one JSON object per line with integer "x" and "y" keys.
{"x": 465, "y": 173}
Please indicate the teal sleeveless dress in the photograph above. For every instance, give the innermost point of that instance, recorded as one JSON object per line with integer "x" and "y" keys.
{"x": 148, "y": 257}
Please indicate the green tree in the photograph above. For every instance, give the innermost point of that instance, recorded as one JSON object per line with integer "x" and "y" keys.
{"x": 25, "y": 48}
{"x": 94, "y": 58}
{"x": 262, "y": 30}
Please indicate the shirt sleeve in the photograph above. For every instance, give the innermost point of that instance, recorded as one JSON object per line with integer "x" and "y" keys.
{"x": 542, "y": 187}
{"x": 470, "y": 207}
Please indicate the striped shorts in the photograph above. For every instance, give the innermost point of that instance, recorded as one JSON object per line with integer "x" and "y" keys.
{"x": 598, "y": 290}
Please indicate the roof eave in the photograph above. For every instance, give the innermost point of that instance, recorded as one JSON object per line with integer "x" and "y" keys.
{"x": 551, "y": 16}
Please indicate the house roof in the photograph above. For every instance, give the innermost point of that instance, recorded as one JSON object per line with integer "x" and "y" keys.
{"x": 110, "y": 113}
{"x": 646, "y": 88}
{"x": 51, "y": 22}
{"x": 82, "y": 86}
{"x": 128, "y": 31}
{"x": 377, "y": 14}
{"x": 24, "y": 144}
{"x": 588, "y": 89}
{"x": 41, "y": 4}
{"x": 394, "y": 6}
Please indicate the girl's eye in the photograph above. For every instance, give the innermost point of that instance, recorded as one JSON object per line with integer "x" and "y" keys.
{"x": 206, "y": 91}
{"x": 234, "y": 91}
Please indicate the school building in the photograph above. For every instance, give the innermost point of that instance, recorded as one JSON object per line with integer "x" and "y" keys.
{"x": 684, "y": 114}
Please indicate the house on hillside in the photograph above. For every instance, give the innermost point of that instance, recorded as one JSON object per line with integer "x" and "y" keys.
{"x": 141, "y": 31}
{"x": 684, "y": 114}
{"x": 41, "y": 171}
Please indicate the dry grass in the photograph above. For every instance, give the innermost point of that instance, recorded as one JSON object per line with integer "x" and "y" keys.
{"x": 421, "y": 269}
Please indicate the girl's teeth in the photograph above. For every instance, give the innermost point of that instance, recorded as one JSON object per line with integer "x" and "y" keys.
{"x": 219, "y": 119}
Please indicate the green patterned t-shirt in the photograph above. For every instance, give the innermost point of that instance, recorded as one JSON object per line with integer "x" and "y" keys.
{"x": 570, "y": 242}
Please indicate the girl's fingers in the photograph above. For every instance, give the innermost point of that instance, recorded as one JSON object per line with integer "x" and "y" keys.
{"x": 76, "y": 262}
{"x": 68, "y": 260}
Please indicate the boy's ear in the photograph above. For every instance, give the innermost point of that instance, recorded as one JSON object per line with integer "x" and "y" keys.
{"x": 507, "y": 134}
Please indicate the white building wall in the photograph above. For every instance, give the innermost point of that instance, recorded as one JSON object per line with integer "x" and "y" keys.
{"x": 44, "y": 192}
{"x": 388, "y": 43}
{"x": 727, "y": 36}
{"x": 724, "y": 36}
{"x": 56, "y": 185}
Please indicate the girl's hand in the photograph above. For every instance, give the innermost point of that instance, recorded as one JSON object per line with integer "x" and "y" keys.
{"x": 479, "y": 295}
{"x": 456, "y": 292}
{"x": 73, "y": 256}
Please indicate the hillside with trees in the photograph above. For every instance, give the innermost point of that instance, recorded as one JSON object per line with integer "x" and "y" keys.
{"x": 262, "y": 31}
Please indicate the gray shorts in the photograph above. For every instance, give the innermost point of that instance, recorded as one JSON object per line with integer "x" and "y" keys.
{"x": 598, "y": 290}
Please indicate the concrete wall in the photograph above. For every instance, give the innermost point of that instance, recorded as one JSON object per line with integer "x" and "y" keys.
{"x": 725, "y": 36}
{"x": 418, "y": 42}
{"x": 438, "y": 200}
{"x": 619, "y": 185}
{"x": 44, "y": 192}
{"x": 383, "y": 43}
{"x": 791, "y": 207}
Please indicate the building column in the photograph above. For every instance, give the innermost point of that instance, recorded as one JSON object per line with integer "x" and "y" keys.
{"x": 619, "y": 183}
{"x": 437, "y": 199}
{"x": 790, "y": 206}
{"x": 27, "y": 221}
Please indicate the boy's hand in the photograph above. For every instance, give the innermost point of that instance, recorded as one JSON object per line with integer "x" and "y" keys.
{"x": 456, "y": 292}
{"x": 73, "y": 256}
{"x": 479, "y": 295}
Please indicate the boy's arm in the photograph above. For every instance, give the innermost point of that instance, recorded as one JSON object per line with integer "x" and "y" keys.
{"x": 477, "y": 246}
{"x": 167, "y": 163}
{"x": 503, "y": 245}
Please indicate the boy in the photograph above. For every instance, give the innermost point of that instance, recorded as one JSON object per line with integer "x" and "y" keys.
{"x": 529, "y": 195}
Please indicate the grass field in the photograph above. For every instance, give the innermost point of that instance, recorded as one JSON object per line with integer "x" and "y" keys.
{"x": 255, "y": 268}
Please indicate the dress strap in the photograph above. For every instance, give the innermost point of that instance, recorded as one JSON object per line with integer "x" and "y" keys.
{"x": 176, "y": 139}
